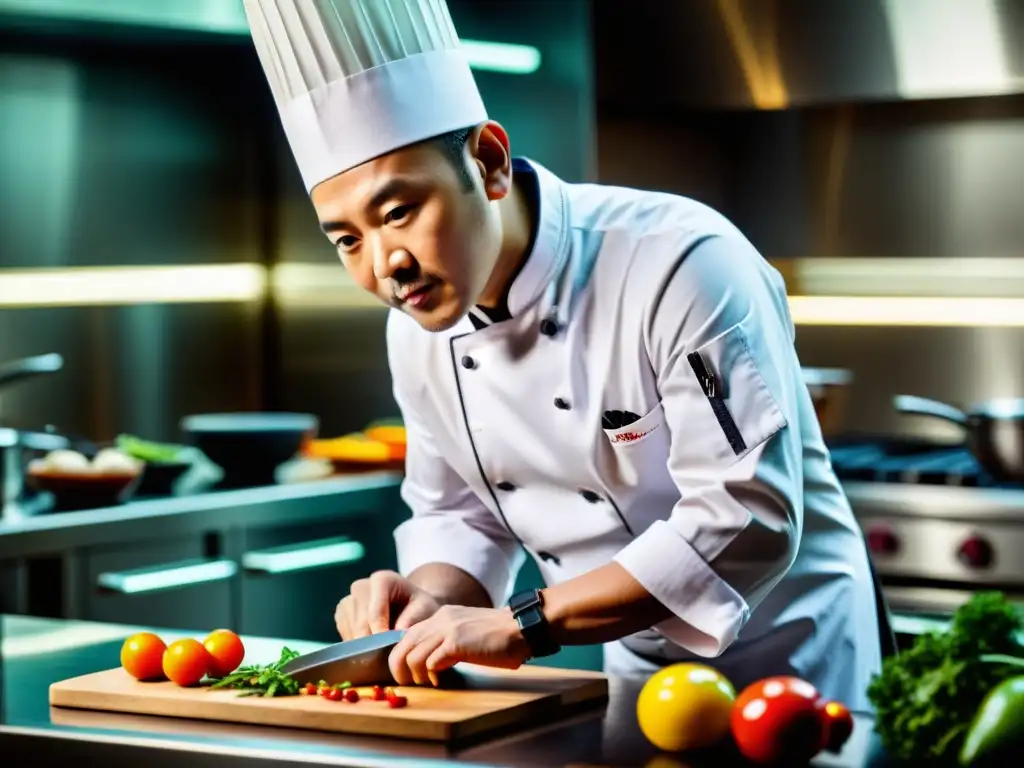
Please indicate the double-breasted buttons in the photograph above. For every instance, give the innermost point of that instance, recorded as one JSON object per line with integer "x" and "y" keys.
{"x": 590, "y": 495}
{"x": 468, "y": 362}
{"x": 505, "y": 485}
{"x": 562, "y": 404}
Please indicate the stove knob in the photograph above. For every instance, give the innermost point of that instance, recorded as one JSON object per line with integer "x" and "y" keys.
{"x": 882, "y": 541}
{"x": 975, "y": 552}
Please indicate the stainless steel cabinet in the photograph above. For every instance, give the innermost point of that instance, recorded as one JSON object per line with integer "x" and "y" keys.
{"x": 293, "y": 576}
{"x": 12, "y": 587}
{"x": 179, "y": 584}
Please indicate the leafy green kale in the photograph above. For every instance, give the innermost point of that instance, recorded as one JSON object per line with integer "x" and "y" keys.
{"x": 927, "y": 695}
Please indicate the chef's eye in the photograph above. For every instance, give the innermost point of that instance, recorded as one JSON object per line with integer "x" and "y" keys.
{"x": 399, "y": 214}
{"x": 347, "y": 242}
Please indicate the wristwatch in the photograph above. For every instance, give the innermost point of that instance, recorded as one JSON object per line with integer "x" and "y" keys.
{"x": 528, "y": 610}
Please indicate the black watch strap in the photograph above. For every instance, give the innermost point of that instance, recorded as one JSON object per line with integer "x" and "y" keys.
{"x": 528, "y": 609}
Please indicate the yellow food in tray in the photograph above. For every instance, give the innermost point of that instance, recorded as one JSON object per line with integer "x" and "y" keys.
{"x": 380, "y": 446}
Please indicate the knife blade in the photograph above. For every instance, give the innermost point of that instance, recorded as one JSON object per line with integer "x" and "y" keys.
{"x": 363, "y": 661}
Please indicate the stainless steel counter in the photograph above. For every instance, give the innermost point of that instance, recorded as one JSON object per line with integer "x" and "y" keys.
{"x": 37, "y": 652}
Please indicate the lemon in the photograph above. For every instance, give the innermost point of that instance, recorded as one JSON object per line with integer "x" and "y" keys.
{"x": 685, "y": 706}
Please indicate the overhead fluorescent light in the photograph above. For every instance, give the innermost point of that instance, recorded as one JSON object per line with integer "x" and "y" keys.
{"x": 227, "y": 17}
{"x": 502, "y": 57}
{"x": 84, "y": 286}
{"x": 937, "y": 311}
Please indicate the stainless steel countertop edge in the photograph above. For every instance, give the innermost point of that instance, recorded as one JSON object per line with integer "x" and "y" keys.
{"x": 209, "y": 747}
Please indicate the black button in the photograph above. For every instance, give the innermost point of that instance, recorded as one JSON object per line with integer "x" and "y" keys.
{"x": 468, "y": 362}
{"x": 590, "y": 496}
{"x": 548, "y": 327}
{"x": 505, "y": 485}
{"x": 547, "y": 557}
{"x": 561, "y": 403}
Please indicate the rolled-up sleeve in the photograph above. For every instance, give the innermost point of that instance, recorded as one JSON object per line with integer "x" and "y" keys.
{"x": 449, "y": 523}
{"x": 720, "y": 340}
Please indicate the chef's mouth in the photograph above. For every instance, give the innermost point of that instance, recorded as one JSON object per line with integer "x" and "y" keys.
{"x": 417, "y": 296}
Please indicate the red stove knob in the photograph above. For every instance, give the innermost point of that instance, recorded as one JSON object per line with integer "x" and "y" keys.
{"x": 882, "y": 541}
{"x": 975, "y": 552}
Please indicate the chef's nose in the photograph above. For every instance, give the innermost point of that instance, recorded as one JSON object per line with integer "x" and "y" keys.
{"x": 387, "y": 261}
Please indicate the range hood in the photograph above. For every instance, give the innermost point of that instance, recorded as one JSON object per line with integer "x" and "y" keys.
{"x": 222, "y": 17}
{"x": 777, "y": 54}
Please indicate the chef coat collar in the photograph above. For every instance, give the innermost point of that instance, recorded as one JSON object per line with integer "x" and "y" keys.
{"x": 544, "y": 257}
{"x": 550, "y": 241}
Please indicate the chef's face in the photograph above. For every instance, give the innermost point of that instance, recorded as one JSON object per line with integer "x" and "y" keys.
{"x": 419, "y": 231}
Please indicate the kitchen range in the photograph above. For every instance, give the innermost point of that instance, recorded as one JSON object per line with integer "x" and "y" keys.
{"x": 941, "y": 521}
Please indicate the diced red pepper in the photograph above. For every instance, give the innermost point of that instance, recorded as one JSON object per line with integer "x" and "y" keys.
{"x": 333, "y": 694}
{"x": 378, "y": 694}
{"x": 397, "y": 701}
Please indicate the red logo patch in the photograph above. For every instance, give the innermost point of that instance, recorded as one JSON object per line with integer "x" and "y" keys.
{"x": 631, "y": 437}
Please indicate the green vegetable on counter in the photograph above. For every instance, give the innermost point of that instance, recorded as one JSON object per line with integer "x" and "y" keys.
{"x": 998, "y": 727}
{"x": 263, "y": 680}
{"x": 927, "y": 696}
{"x": 146, "y": 450}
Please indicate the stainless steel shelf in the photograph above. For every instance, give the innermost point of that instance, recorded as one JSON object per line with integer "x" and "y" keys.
{"x": 24, "y": 535}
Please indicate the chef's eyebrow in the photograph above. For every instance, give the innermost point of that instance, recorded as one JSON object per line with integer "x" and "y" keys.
{"x": 390, "y": 189}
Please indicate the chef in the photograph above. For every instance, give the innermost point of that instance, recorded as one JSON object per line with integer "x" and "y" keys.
{"x": 602, "y": 379}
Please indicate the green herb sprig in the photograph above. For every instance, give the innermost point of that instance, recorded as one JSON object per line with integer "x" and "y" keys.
{"x": 268, "y": 681}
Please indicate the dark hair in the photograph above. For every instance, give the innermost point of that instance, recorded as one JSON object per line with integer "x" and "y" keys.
{"x": 453, "y": 146}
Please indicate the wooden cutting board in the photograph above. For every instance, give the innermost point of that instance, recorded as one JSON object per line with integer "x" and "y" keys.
{"x": 492, "y": 700}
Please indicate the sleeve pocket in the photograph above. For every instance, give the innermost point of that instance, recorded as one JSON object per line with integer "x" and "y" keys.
{"x": 739, "y": 412}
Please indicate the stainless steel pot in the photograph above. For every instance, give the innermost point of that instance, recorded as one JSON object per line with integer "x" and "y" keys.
{"x": 15, "y": 443}
{"x": 830, "y": 392}
{"x": 993, "y": 431}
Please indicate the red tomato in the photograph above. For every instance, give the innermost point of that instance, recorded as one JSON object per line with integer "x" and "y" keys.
{"x": 308, "y": 690}
{"x": 838, "y": 724}
{"x": 323, "y": 688}
{"x": 397, "y": 701}
{"x": 378, "y": 694}
{"x": 142, "y": 656}
{"x": 226, "y": 650}
{"x": 778, "y": 721}
{"x": 334, "y": 694}
{"x": 352, "y": 695}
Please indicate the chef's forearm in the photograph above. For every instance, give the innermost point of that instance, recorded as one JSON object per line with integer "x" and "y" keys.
{"x": 600, "y": 606}
{"x": 450, "y": 585}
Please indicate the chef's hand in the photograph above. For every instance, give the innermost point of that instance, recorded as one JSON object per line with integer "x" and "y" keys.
{"x": 373, "y": 601}
{"x": 453, "y": 634}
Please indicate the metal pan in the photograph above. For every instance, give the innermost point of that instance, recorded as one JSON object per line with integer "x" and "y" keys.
{"x": 994, "y": 431}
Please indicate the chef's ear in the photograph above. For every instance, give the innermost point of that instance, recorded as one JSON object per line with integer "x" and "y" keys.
{"x": 491, "y": 153}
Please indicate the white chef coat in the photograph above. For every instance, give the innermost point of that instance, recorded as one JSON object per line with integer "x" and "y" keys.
{"x": 724, "y": 507}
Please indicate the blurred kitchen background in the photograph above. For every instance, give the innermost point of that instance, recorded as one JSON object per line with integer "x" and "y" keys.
{"x": 155, "y": 233}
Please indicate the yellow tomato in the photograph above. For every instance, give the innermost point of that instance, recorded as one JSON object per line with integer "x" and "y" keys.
{"x": 685, "y": 706}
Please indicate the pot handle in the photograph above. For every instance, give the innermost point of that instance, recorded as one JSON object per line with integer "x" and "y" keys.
{"x": 911, "y": 404}
{"x": 30, "y": 366}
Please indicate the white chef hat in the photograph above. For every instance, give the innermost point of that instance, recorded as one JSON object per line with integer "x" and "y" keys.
{"x": 356, "y": 79}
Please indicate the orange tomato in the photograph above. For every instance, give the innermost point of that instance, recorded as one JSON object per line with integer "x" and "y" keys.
{"x": 186, "y": 661}
{"x": 142, "y": 656}
{"x": 226, "y": 650}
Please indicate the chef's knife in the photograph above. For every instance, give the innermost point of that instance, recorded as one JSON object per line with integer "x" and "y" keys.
{"x": 363, "y": 661}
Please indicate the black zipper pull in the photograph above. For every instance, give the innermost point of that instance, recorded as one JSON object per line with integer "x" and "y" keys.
{"x": 709, "y": 384}
{"x": 704, "y": 376}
